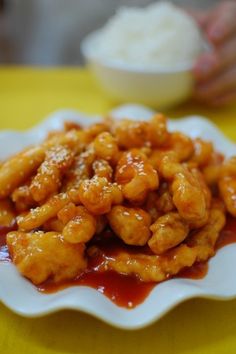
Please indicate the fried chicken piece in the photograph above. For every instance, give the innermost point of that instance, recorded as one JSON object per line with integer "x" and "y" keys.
{"x": 38, "y": 216}
{"x": 227, "y": 185}
{"x": 80, "y": 170}
{"x": 130, "y": 224}
{"x": 81, "y": 227}
{"x": 7, "y": 213}
{"x": 169, "y": 231}
{"x": 164, "y": 201}
{"x": 48, "y": 178}
{"x": 203, "y": 151}
{"x": 40, "y": 256}
{"x": 98, "y": 195}
{"x": 102, "y": 168}
{"x": 22, "y": 198}
{"x": 151, "y": 206}
{"x": 136, "y": 134}
{"x": 189, "y": 196}
{"x": 181, "y": 144}
{"x": 211, "y": 171}
{"x": 105, "y": 147}
{"x": 136, "y": 176}
{"x": 69, "y": 125}
{"x": 160, "y": 202}
{"x": 148, "y": 268}
{"x": 204, "y": 240}
{"x": 53, "y": 224}
{"x": 18, "y": 168}
{"x": 155, "y": 268}
{"x": 97, "y": 128}
{"x": 73, "y": 139}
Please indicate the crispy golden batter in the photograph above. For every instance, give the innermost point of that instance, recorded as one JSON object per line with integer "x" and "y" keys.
{"x": 38, "y": 216}
{"x": 48, "y": 178}
{"x": 136, "y": 176}
{"x": 181, "y": 144}
{"x": 73, "y": 139}
{"x": 101, "y": 168}
{"x": 149, "y": 268}
{"x": 130, "y": 224}
{"x": 105, "y": 147}
{"x": 7, "y": 213}
{"x": 227, "y": 185}
{"x": 95, "y": 129}
{"x": 189, "y": 196}
{"x": 203, "y": 151}
{"x": 22, "y": 198}
{"x": 211, "y": 167}
{"x": 136, "y": 134}
{"x": 204, "y": 240}
{"x": 98, "y": 195}
{"x": 81, "y": 227}
{"x": 199, "y": 247}
{"x": 152, "y": 188}
{"x": 39, "y": 256}
{"x": 168, "y": 231}
{"x": 80, "y": 170}
{"x": 19, "y": 168}
{"x": 164, "y": 202}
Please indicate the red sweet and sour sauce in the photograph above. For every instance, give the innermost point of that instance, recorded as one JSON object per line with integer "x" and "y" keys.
{"x": 125, "y": 291}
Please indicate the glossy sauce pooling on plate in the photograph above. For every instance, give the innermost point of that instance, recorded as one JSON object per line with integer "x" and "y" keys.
{"x": 125, "y": 291}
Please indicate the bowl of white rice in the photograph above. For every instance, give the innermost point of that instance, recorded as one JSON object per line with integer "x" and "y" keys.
{"x": 146, "y": 55}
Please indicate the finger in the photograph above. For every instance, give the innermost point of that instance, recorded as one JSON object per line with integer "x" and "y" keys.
{"x": 217, "y": 86}
{"x": 227, "y": 53}
{"x": 222, "y": 24}
{"x": 224, "y": 100}
{"x": 212, "y": 63}
{"x": 202, "y": 18}
{"x": 205, "y": 66}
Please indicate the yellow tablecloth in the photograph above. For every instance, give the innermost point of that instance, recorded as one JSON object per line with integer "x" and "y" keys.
{"x": 197, "y": 326}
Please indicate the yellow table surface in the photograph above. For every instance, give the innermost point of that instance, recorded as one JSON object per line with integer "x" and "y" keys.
{"x": 198, "y": 326}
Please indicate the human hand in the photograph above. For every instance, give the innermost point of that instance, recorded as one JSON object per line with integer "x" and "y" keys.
{"x": 215, "y": 72}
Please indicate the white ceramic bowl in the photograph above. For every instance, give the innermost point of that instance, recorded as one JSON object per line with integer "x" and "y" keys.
{"x": 157, "y": 87}
{"x": 22, "y": 297}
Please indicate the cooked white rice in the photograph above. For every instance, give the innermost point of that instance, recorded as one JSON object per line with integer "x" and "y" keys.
{"x": 158, "y": 35}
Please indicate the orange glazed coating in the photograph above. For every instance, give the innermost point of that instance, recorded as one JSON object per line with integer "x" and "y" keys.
{"x": 161, "y": 196}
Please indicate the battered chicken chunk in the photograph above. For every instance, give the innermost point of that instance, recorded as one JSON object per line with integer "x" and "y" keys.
{"x": 136, "y": 176}
{"x": 204, "y": 240}
{"x": 48, "y": 178}
{"x": 98, "y": 195}
{"x": 199, "y": 247}
{"x": 130, "y": 224}
{"x": 160, "y": 191}
{"x": 40, "y": 256}
{"x": 227, "y": 185}
{"x": 149, "y": 268}
{"x": 81, "y": 227}
{"x": 168, "y": 231}
{"x": 189, "y": 196}
{"x": 7, "y": 213}
{"x": 135, "y": 134}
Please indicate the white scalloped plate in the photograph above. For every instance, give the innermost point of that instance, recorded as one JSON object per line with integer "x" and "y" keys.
{"x": 220, "y": 283}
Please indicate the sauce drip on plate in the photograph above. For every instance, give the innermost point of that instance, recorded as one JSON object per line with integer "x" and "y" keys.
{"x": 125, "y": 291}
